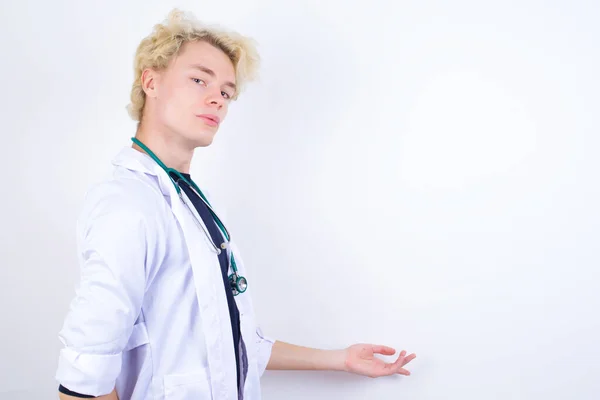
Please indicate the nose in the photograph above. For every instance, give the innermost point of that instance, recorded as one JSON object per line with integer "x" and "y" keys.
{"x": 215, "y": 99}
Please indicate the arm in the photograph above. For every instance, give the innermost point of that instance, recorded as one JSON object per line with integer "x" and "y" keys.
{"x": 286, "y": 356}
{"x": 358, "y": 359}
{"x": 112, "y": 239}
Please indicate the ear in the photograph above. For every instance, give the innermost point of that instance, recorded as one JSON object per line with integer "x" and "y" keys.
{"x": 149, "y": 80}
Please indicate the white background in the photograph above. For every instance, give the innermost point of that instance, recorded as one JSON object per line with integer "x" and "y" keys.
{"x": 418, "y": 174}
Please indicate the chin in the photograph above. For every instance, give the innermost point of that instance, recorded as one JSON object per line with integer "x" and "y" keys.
{"x": 204, "y": 144}
{"x": 203, "y": 139}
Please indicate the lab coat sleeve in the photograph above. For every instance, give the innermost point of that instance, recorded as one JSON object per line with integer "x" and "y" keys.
{"x": 112, "y": 236}
{"x": 265, "y": 347}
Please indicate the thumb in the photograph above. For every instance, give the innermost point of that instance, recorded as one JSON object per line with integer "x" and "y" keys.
{"x": 385, "y": 350}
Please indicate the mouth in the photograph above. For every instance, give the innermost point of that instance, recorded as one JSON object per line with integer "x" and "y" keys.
{"x": 210, "y": 119}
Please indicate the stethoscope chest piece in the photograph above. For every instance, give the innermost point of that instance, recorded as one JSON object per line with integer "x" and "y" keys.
{"x": 238, "y": 283}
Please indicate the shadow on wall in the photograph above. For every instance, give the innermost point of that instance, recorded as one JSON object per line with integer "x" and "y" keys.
{"x": 306, "y": 86}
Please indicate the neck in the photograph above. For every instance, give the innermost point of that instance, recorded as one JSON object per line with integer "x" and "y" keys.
{"x": 172, "y": 152}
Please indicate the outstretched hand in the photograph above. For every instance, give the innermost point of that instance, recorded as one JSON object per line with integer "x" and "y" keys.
{"x": 360, "y": 359}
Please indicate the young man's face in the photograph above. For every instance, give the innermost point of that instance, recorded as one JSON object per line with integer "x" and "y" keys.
{"x": 193, "y": 93}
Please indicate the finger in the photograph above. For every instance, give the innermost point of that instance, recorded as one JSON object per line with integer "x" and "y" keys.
{"x": 400, "y": 360}
{"x": 408, "y": 359}
{"x": 403, "y": 371}
{"x": 403, "y": 359}
{"x": 387, "y": 351}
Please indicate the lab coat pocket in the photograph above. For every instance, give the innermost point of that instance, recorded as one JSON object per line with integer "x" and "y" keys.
{"x": 136, "y": 373}
{"x": 193, "y": 385}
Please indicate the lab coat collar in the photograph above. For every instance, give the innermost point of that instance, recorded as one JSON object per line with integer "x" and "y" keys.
{"x": 135, "y": 160}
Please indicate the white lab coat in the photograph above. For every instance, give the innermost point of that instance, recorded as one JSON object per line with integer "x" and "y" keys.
{"x": 150, "y": 315}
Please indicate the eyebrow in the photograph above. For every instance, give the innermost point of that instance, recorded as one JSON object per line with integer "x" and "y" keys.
{"x": 212, "y": 74}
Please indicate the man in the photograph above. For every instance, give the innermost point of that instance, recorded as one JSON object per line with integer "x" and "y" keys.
{"x": 163, "y": 310}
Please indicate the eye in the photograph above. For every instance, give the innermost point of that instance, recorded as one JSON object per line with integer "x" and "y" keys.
{"x": 226, "y": 95}
{"x": 197, "y": 80}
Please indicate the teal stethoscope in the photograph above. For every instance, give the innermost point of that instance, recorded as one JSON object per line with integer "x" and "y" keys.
{"x": 238, "y": 283}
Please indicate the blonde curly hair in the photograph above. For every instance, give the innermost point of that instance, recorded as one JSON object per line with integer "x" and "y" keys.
{"x": 158, "y": 49}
